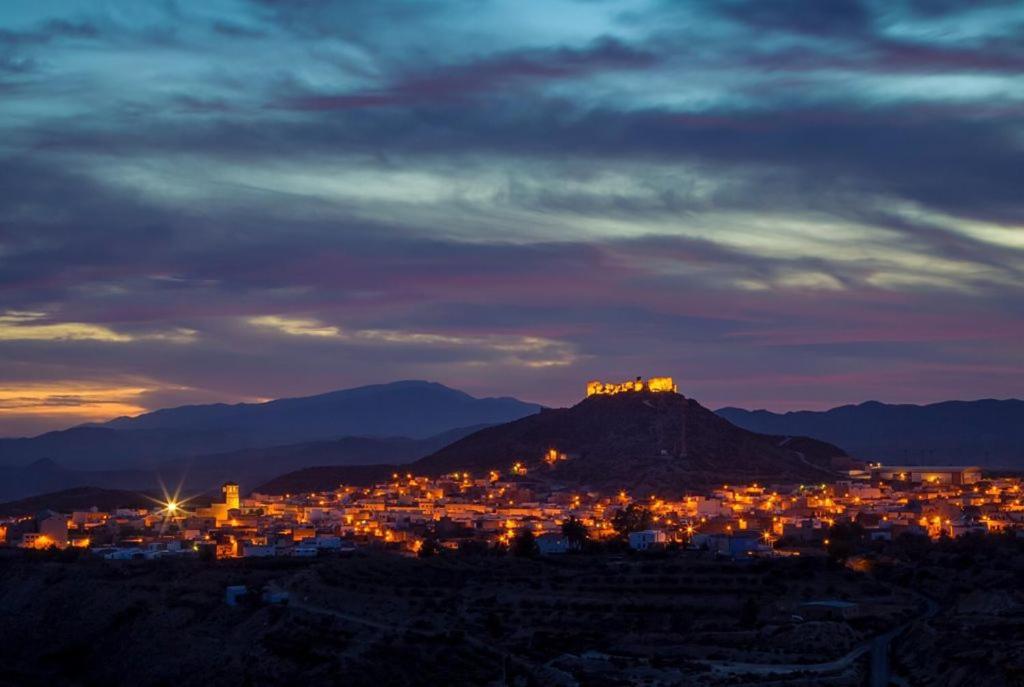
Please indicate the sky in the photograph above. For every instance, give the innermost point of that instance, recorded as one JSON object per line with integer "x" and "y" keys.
{"x": 783, "y": 204}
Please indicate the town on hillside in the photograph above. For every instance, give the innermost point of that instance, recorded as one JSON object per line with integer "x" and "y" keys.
{"x": 500, "y": 510}
{"x": 523, "y": 507}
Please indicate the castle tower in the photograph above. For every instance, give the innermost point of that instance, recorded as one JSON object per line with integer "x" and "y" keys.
{"x": 231, "y": 500}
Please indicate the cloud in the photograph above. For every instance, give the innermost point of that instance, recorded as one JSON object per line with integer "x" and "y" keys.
{"x": 802, "y": 16}
{"x": 294, "y": 326}
{"x": 484, "y": 75}
{"x": 34, "y": 326}
{"x": 70, "y": 401}
{"x": 513, "y": 198}
{"x": 20, "y": 326}
{"x": 530, "y": 351}
{"x": 48, "y": 31}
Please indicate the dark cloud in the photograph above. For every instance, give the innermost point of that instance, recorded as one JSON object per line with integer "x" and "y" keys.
{"x": 483, "y": 76}
{"x": 232, "y": 30}
{"x": 802, "y": 16}
{"x": 49, "y": 31}
{"x": 933, "y": 8}
{"x": 885, "y": 57}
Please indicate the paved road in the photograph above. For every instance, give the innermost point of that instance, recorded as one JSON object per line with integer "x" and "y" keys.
{"x": 879, "y": 675}
{"x": 839, "y": 664}
{"x": 880, "y": 671}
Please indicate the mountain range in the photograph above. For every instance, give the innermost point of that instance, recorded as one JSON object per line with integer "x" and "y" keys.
{"x": 410, "y": 409}
{"x": 988, "y": 432}
{"x": 251, "y": 442}
{"x": 414, "y": 409}
{"x": 644, "y": 442}
{"x": 248, "y": 467}
{"x": 382, "y": 426}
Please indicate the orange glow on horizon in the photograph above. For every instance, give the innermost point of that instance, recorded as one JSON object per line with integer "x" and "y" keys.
{"x": 84, "y": 401}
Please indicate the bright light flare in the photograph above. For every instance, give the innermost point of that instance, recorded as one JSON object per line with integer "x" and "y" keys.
{"x": 171, "y": 506}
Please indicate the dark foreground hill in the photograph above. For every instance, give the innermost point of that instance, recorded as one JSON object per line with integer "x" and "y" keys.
{"x": 452, "y": 620}
{"x": 986, "y": 432}
{"x": 643, "y": 442}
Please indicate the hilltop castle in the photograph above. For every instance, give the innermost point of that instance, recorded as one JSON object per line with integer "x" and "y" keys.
{"x": 656, "y": 384}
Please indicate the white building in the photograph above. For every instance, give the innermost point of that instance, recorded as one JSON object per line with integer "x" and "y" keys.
{"x": 646, "y": 539}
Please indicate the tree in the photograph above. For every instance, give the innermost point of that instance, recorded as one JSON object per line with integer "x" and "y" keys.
{"x": 632, "y": 518}
{"x": 525, "y": 544}
{"x": 844, "y": 540}
{"x": 428, "y": 548}
{"x": 575, "y": 531}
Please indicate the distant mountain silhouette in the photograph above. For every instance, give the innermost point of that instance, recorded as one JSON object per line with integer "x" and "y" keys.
{"x": 986, "y": 432}
{"x": 640, "y": 441}
{"x": 79, "y": 498}
{"x": 413, "y": 409}
{"x": 248, "y": 467}
{"x": 251, "y": 442}
{"x": 103, "y": 448}
{"x": 47, "y": 476}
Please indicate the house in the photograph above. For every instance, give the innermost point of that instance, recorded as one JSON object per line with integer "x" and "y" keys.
{"x": 325, "y": 541}
{"x": 734, "y": 546}
{"x": 258, "y": 551}
{"x": 54, "y": 527}
{"x": 927, "y": 474}
{"x": 124, "y": 554}
{"x": 647, "y": 539}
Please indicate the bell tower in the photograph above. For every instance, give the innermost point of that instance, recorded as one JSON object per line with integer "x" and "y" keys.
{"x": 230, "y": 490}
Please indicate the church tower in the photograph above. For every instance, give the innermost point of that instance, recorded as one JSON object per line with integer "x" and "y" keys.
{"x": 231, "y": 500}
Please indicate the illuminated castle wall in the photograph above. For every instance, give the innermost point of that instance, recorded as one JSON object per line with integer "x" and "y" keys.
{"x": 656, "y": 384}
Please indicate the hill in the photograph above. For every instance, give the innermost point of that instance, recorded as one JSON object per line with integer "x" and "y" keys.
{"x": 79, "y": 498}
{"x": 248, "y": 467}
{"x": 103, "y": 448}
{"x": 644, "y": 442}
{"x": 986, "y": 432}
{"x": 417, "y": 410}
{"x": 47, "y": 476}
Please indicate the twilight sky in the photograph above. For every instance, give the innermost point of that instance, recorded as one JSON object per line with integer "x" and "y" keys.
{"x": 782, "y": 203}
